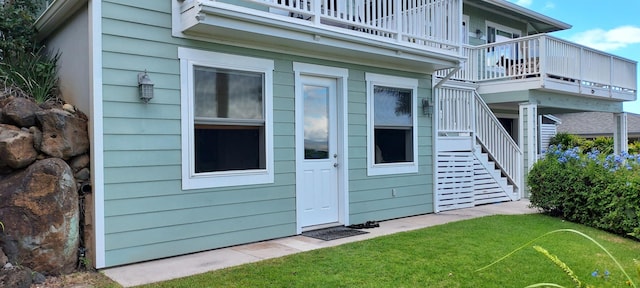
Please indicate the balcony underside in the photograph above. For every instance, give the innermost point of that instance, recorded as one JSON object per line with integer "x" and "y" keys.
{"x": 556, "y": 84}
{"x": 229, "y": 24}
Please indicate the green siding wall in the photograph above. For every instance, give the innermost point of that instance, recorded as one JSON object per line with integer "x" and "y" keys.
{"x": 149, "y": 216}
{"x": 478, "y": 18}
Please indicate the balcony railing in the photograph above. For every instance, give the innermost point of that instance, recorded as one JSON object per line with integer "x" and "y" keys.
{"x": 430, "y": 23}
{"x": 552, "y": 58}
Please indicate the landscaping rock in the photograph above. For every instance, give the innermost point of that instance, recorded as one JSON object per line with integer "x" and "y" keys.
{"x": 63, "y": 134}
{"x": 79, "y": 162}
{"x": 38, "y": 278}
{"x": 20, "y": 111}
{"x": 3, "y": 258}
{"x": 16, "y": 147}
{"x": 69, "y": 108}
{"x": 83, "y": 175}
{"x": 39, "y": 208}
{"x": 15, "y": 277}
{"x": 10, "y": 247}
{"x": 37, "y": 137}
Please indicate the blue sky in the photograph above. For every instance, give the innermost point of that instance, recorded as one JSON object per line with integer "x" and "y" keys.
{"x": 612, "y": 26}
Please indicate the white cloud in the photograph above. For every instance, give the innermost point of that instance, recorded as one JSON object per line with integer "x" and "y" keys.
{"x": 524, "y": 3}
{"x": 549, "y": 6}
{"x": 610, "y": 40}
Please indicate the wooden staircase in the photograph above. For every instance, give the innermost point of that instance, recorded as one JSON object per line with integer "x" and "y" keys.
{"x": 477, "y": 160}
{"x": 489, "y": 185}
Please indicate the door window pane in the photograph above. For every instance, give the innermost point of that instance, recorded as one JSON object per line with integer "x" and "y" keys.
{"x": 316, "y": 122}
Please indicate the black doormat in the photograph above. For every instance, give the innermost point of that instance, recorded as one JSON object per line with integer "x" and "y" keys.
{"x": 333, "y": 233}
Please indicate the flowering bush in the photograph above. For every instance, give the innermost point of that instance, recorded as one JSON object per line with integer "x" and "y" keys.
{"x": 594, "y": 189}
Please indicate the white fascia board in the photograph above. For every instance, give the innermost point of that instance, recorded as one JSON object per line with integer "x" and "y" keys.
{"x": 529, "y": 13}
{"x": 56, "y": 14}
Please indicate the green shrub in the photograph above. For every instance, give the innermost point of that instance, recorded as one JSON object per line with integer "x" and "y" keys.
{"x": 603, "y": 144}
{"x": 634, "y": 147}
{"x": 590, "y": 189}
{"x": 17, "y": 32}
{"x": 26, "y": 68}
{"x": 566, "y": 140}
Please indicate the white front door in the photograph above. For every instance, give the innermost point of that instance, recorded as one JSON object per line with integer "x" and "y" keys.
{"x": 317, "y": 158}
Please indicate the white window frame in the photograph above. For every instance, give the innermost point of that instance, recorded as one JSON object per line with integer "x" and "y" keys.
{"x": 191, "y": 180}
{"x": 500, "y": 27}
{"x": 374, "y": 169}
{"x": 466, "y": 32}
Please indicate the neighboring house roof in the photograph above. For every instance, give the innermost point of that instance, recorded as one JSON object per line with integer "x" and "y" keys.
{"x": 596, "y": 124}
{"x": 538, "y": 22}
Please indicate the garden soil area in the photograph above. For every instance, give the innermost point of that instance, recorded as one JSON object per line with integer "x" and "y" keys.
{"x": 78, "y": 280}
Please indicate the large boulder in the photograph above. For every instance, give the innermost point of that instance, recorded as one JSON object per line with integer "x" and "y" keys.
{"x": 64, "y": 135}
{"x": 20, "y": 111}
{"x": 39, "y": 208}
{"x": 16, "y": 147}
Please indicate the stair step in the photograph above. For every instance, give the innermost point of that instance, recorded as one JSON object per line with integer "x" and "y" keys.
{"x": 484, "y": 181}
{"x": 484, "y": 186}
{"x": 490, "y": 191}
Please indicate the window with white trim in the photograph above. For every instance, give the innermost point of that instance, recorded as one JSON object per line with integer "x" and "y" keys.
{"x": 392, "y": 145}
{"x": 226, "y": 119}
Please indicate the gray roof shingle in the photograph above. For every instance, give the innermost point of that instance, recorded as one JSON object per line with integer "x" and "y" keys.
{"x": 596, "y": 124}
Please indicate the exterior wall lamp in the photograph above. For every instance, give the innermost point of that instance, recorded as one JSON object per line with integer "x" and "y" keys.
{"x": 427, "y": 107}
{"x": 479, "y": 33}
{"x": 145, "y": 87}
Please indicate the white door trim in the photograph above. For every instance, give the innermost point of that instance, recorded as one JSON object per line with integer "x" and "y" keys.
{"x": 341, "y": 75}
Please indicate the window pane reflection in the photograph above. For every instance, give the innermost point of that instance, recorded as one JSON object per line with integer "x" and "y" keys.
{"x": 223, "y": 93}
{"x": 316, "y": 122}
{"x": 392, "y": 106}
{"x": 393, "y": 122}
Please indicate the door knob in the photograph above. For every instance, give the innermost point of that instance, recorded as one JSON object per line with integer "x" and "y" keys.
{"x": 335, "y": 165}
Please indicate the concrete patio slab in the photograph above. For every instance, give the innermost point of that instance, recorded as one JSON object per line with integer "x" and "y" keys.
{"x": 187, "y": 265}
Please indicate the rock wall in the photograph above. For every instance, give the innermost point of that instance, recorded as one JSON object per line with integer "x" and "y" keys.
{"x": 43, "y": 165}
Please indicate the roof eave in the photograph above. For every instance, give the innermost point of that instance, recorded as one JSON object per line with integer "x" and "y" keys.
{"x": 530, "y": 13}
{"x": 55, "y": 16}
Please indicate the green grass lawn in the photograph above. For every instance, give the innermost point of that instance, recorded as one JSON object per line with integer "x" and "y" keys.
{"x": 442, "y": 256}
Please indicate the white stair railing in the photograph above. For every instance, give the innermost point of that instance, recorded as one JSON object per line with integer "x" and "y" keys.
{"x": 455, "y": 107}
{"x": 497, "y": 142}
{"x": 464, "y": 111}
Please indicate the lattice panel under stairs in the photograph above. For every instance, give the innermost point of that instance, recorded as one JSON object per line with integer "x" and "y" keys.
{"x": 464, "y": 181}
{"x": 455, "y": 174}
